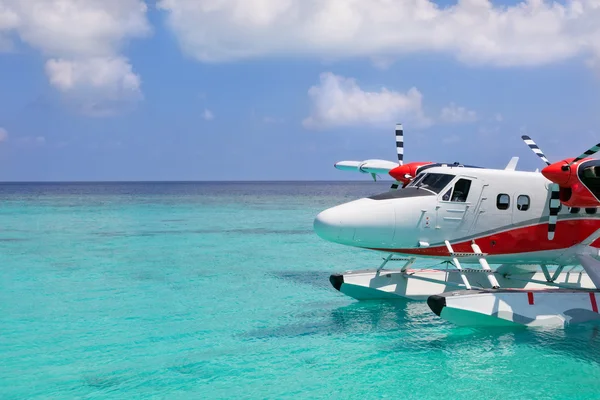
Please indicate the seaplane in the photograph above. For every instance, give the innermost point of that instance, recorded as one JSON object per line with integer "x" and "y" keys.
{"x": 539, "y": 228}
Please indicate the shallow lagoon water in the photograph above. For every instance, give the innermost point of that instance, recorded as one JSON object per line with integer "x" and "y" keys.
{"x": 220, "y": 290}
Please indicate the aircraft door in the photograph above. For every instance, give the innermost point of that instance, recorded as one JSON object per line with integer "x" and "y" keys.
{"x": 458, "y": 206}
{"x": 495, "y": 210}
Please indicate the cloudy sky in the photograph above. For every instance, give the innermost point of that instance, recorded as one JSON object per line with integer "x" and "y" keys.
{"x": 282, "y": 89}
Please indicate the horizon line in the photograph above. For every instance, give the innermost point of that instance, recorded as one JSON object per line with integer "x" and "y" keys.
{"x": 199, "y": 181}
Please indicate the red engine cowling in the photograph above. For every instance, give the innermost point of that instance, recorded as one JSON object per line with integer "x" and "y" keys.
{"x": 579, "y": 182}
{"x": 406, "y": 173}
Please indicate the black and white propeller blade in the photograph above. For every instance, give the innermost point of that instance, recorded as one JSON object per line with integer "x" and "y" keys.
{"x": 589, "y": 152}
{"x": 554, "y": 209}
{"x": 400, "y": 143}
{"x": 534, "y": 147}
{"x": 399, "y": 150}
{"x": 554, "y": 203}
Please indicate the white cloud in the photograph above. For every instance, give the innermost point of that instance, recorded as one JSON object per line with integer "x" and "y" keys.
{"x": 208, "y": 115}
{"x": 3, "y": 135}
{"x": 530, "y": 33}
{"x": 456, "y": 114}
{"x": 81, "y": 41}
{"x": 339, "y": 101}
{"x": 498, "y": 117}
{"x": 100, "y": 85}
{"x": 8, "y": 20}
{"x": 114, "y": 73}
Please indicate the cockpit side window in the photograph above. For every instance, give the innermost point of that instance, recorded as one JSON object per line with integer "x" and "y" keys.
{"x": 461, "y": 190}
{"x": 589, "y": 175}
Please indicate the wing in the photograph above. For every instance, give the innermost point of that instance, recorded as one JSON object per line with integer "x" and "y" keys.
{"x": 367, "y": 166}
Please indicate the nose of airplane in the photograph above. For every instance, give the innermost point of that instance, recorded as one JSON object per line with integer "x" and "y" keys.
{"x": 332, "y": 225}
{"x": 363, "y": 223}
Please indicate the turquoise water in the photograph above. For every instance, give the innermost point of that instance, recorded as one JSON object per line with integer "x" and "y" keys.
{"x": 194, "y": 290}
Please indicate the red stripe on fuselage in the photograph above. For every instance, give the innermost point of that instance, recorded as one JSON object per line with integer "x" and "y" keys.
{"x": 530, "y": 297}
{"x": 593, "y": 301}
{"x": 519, "y": 240}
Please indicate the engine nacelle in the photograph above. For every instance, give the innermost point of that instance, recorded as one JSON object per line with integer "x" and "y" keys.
{"x": 405, "y": 173}
{"x": 579, "y": 182}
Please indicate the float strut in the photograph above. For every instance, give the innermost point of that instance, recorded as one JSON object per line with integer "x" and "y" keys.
{"x": 385, "y": 261}
{"x": 457, "y": 265}
{"x": 485, "y": 266}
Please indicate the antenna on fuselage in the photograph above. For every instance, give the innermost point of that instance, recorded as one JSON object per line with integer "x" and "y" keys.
{"x": 512, "y": 164}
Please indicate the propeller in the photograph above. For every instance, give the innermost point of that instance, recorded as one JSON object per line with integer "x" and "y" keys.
{"x": 375, "y": 167}
{"x": 554, "y": 203}
{"x": 399, "y": 149}
{"x": 589, "y": 152}
{"x": 534, "y": 147}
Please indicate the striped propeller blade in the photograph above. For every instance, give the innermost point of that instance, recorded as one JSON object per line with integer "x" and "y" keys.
{"x": 554, "y": 209}
{"x": 534, "y": 147}
{"x": 400, "y": 143}
{"x": 591, "y": 151}
{"x": 400, "y": 150}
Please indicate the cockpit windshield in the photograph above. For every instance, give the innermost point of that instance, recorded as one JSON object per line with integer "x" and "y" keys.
{"x": 433, "y": 182}
{"x": 417, "y": 179}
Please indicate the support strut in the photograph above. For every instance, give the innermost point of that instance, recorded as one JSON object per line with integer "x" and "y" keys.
{"x": 457, "y": 265}
{"x": 485, "y": 266}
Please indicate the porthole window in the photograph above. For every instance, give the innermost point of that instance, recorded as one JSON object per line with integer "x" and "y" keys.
{"x": 591, "y": 210}
{"x": 503, "y": 201}
{"x": 523, "y": 202}
{"x": 574, "y": 210}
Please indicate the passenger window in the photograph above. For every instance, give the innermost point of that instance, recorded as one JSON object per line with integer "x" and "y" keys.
{"x": 574, "y": 210}
{"x": 461, "y": 190}
{"x": 591, "y": 210}
{"x": 503, "y": 201}
{"x": 523, "y": 202}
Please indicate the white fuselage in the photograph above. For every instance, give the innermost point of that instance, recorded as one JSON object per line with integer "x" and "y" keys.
{"x": 505, "y": 212}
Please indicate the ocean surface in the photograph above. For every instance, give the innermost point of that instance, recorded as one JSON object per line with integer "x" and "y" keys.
{"x": 221, "y": 290}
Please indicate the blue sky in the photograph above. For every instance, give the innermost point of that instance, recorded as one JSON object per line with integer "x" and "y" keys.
{"x": 207, "y": 90}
